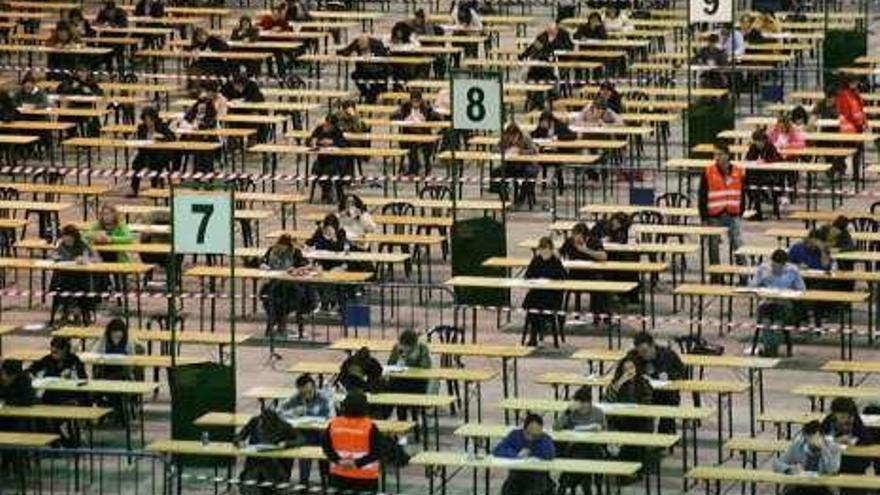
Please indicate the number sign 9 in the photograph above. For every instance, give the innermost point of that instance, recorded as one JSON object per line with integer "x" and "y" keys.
{"x": 711, "y": 11}
{"x": 202, "y": 223}
{"x": 476, "y": 104}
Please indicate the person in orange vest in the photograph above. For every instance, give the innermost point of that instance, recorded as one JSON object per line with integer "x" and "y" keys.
{"x": 722, "y": 200}
{"x": 352, "y": 446}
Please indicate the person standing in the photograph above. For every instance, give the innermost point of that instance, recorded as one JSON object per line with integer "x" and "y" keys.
{"x": 352, "y": 444}
{"x": 721, "y": 200}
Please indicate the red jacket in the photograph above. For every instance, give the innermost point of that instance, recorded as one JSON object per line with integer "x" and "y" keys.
{"x": 851, "y": 109}
{"x": 268, "y": 23}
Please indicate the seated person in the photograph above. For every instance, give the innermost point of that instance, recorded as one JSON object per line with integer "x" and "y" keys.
{"x": 609, "y": 96}
{"x": 80, "y": 83}
{"x": 369, "y": 78}
{"x": 544, "y": 49}
{"x": 29, "y": 94}
{"x": 598, "y": 114}
{"x": 658, "y": 363}
{"x": 245, "y": 30}
{"x": 713, "y": 56}
{"x": 515, "y": 142}
{"x": 72, "y": 248}
{"x": 278, "y": 20}
{"x": 785, "y": 135}
{"x": 778, "y": 273}
{"x": 582, "y": 416}
{"x": 204, "y": 42}
{"x": 585, "y": 245}
{"x": 111, "y": 15}
{"x": 266, "y": 428}
{"x": 281, "y": 297}
{"x": 307, "y": 402}
{"x": 845, "y": 426}
{"x": 814, "y": 253}
{"x": 409, "y": 352}
{"x": 360, "y": 371}
{"x": 530, "y": 441}
{"x": 79, "y": 24}
{"x": 242, "y": 88}
{"x": 16, "y": 389}
{"x": 110, "y": 229}
{"x": 550, "y": 128}
{"x": 354, "y": 218}
{"x": 545, "y": 264}
{"x": 416, "y": 109}
{"x": 616, "y": 20}
{"x": 761, "y": 183}
{"x": 630, "y": 387}
{"x": 466, "y": 18}
{"x": 810, "y": 452}
{"x": 151, "y": 128}
{"x": 615, "y": 229}
{"x": 354, "y": 447}
{"x": 150, "y": 8}
{"x": 732, "y": 41}
{"x": 116, "y": 340}
{"x": 201, "y": 116}
{"x": 61, "y": 362}
{"x": 328, "y": 135}
{"x": 59, "y": 64}
{"x": 594, "y": 29}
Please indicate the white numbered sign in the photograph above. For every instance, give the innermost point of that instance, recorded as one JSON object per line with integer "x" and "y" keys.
{"x": 713, "y": 11}
{"x": 476, "y": 104}
{"x": 202, "y": 223}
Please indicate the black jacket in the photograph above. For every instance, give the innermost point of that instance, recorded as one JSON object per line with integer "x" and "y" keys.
{"x": 587, "y": 32}
{"x": 149, "y": 8}
{"x": 549, "y": 269}
{"x": 250, "y": 93}
{"x": 542, "y": 49}
{"x": 561, "y": 131}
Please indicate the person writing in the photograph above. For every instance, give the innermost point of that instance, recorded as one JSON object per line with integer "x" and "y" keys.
{"x": 811, "y": 452}
{"x": 409, "y": 352}
{"x": 658, "y": 363}
{"x": 776, "y": 274}
{"x": 361, "y": 371}
{"x": 352, "y": 444}
{"x": 582, "y": 416}
{"x": 71, "y": 248}
{"x": 530, "y": 441}
{"x": 544, "y": 265}
{"x": 845, "y": 426}
{"x": 761, "y": 183}
{"x": 281, "y": 297}
{"x": 584, "y": 245}
{"x": 307, "y": 402}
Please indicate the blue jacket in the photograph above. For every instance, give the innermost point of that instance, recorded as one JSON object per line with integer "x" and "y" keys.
{"x": 515, "y": 441}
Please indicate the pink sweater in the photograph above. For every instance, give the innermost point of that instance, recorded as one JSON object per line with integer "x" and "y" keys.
{"x": 794, "y": 139}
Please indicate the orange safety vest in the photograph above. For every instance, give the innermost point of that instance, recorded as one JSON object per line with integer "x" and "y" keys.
{"x": 724, "y": 192}
{"x": 350, "y": 438}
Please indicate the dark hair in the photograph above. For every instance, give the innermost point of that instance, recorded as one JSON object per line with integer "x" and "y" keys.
{"x": 116, "y": 325}
{"x": 532, "y": 418}
{"x": 799, "y": 114}
{"x": 722, "y": 146}
{"x": 355, "y": 404}
{"x": 584, "y": 394}
{"x": 759, "y": 134}
{"x": 149, "y": 111}
{"x": 779, "y": 256}
{"x": 284, "y": 240}
{"x": 594, "y": 15}
{"x": 11, "y": 366}
{"x": 71, "y": 230}
{"x": 812, "y": 428}
{"x": 841, "y": 222}
{"x": 643, "y": 338}
{"x": 353, "y": 200}
{"x": 545, "y": 243}
{"x": 844, "y": 405}
{"x": 347, "y": 103}
{"x": 304, "y": 379}
{"x": 75, "y": 13}
{"x": 330, "y": 220}
{"x": 331, "y": 119}
{"x": 408, "y": 338}
{"x": 712, "y": 38}
{"x": 60, "y": 343}
{"x": 580, "y": 228}
{"x": 28, "y": 77}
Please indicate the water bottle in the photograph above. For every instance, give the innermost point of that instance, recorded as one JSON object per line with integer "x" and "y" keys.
{"x": 206, "y": 438}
